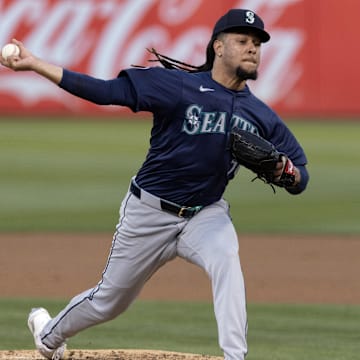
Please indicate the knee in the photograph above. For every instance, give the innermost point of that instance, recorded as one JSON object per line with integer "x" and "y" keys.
{"x": 224, "y": 252}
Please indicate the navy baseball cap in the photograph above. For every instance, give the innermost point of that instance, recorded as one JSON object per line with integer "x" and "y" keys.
{"x": 241, "y": 19}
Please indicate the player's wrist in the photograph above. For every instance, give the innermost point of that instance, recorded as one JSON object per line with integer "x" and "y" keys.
{"x": 301, "y": 180}
{"x": 52, "y": 72}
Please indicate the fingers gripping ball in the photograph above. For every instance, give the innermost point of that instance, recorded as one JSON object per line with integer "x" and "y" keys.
{"x": 10, "y": 50}
{"x": 260, "y": 156}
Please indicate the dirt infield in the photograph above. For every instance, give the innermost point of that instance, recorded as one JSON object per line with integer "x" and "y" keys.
{"x": 277, "y": 269}
{"x": 108, "y": 355}
{"x": 282, "y": 269}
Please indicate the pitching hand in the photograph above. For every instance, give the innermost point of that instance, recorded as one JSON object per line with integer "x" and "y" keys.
{"x": 22, "y": 62}
{"x": 27, "y": 61}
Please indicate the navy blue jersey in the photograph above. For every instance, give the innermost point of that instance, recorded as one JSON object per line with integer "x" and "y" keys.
{"x": 189, "y": 160}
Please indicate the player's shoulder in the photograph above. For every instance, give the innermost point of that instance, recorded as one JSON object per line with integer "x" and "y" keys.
{"x": 154, "y": 77}
{"x": 153, "y": 71}
{"x": 260, "y": 105}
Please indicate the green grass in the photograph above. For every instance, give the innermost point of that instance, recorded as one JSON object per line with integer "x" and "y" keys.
{"x": 72, "y": 175}
{"x": 61, "y": 176}
{"x": 276, "y": 332}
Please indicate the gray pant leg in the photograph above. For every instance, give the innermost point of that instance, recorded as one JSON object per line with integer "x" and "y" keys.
{"x": 145, "y": 240}
{"x": 209, "y": 240}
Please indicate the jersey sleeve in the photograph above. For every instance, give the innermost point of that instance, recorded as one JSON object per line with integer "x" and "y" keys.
{"x": 284, "y": 140}
{"x": 156, "y": 89}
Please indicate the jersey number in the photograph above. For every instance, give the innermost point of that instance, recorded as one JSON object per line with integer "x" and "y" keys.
{"x": 234, "y": 167}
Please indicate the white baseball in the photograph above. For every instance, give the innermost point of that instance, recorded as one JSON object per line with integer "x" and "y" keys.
{"x": 10, "y": 50}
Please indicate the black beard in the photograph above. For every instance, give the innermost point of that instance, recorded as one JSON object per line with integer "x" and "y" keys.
{"x": 246, "y": 75}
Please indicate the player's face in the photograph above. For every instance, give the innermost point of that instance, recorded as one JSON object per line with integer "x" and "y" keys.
{"x": 241, "y": 54}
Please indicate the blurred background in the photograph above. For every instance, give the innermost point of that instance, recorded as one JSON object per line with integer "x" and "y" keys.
{"x": 309, "y": 68}
{"x": 65, "y": 165}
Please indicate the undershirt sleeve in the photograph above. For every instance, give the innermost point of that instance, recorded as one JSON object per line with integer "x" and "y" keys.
{"x": 118, "y": 91}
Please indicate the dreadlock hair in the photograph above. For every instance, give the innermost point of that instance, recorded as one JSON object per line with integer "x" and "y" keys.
{"x": 170, "y": 63}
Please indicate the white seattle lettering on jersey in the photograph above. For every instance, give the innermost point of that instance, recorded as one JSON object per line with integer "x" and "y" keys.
{"x": 240, "y": 122}
{"x": 198, "y": 122}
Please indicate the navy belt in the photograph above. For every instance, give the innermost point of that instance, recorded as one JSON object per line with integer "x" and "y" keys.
{"x": 180, "y": 211}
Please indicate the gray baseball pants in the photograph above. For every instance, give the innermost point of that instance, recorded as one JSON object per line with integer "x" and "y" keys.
{"x": 145, "y": 239}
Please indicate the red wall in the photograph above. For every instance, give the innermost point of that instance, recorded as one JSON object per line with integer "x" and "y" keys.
{"x": 310, "y": 66}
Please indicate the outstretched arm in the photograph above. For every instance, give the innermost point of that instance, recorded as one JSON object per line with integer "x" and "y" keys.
{"x": 26, "y": 61}
{"x": 104, "y": 92}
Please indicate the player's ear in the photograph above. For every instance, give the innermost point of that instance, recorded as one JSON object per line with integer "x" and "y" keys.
{"x": 218, "y": 46}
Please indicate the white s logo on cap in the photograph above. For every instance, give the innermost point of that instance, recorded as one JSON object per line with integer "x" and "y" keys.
{"x": 250, "y": 17}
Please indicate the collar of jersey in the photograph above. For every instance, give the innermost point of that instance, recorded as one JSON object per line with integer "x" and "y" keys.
{"x": 212, "y": 83}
